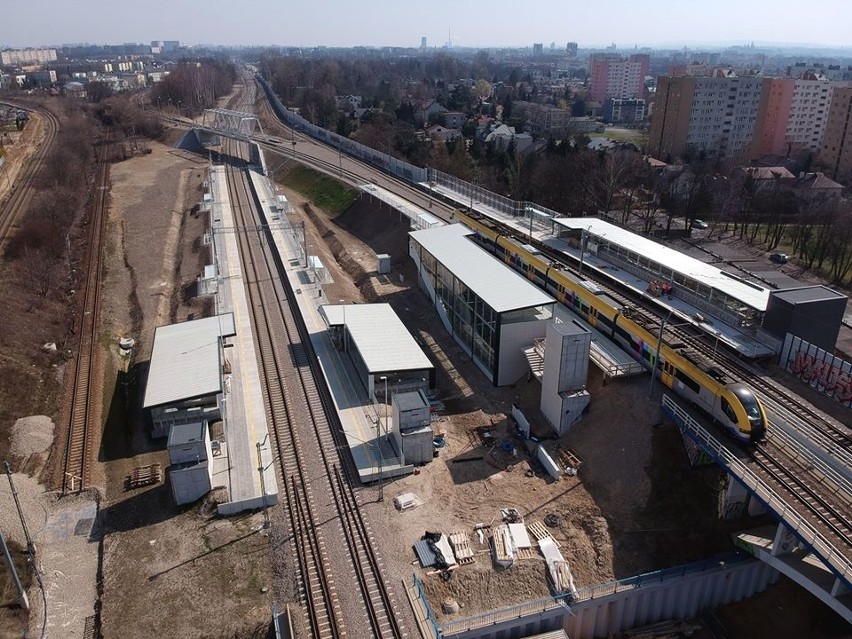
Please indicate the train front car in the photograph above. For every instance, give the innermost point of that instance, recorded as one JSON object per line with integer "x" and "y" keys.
{"x": 750, "y": 423}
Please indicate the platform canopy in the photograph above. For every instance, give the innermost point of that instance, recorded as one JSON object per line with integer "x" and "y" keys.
{"x": 748, "y": 293}
{"x": 379, "y": 335}
{"x": 186, "y": 361}
{"x": 495, "y": 283}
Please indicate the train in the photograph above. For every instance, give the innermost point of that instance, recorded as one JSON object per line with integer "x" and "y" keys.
{"x": 731, "y": 404}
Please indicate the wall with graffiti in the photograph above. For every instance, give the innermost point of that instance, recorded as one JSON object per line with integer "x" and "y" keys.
{"x": 820, "y": 369}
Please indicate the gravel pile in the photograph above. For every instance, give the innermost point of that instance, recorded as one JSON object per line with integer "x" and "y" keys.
{"x": 31, "y": 435}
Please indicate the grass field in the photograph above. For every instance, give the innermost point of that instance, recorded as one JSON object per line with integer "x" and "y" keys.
{"x": 618, "y": 134}
{"x": 325, "y": 192}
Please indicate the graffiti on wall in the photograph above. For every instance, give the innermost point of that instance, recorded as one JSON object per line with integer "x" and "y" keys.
{"x": 820, "y": 369}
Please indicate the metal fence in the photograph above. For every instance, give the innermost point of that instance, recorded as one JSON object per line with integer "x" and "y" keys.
{"x": 430, "y": 616}
{"x": 801, "y": 527}
{"x": 383, "y": 161}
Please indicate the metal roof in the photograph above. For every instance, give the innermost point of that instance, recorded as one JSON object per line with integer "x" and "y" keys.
{"x": 379, "y": 335}
{"x": 185, "y": 361}
{"x": 181, "y": 434}
{"x": 752, "y": 295}
{"x": 497, "y": 284}
{"x": 805, "y": 294}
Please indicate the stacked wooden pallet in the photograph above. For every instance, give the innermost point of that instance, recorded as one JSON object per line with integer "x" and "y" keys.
{"x": 145, "y": 476}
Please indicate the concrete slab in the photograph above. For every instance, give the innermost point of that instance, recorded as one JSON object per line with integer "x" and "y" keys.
{"x": 244, "y": 410}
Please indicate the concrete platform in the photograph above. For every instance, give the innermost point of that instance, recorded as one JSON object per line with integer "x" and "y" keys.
{"x": 363, "y": 423}
{"x": 244, "y": 411}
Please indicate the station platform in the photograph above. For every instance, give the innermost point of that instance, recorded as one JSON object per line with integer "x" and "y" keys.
{"x": 362, "y": 420}
{"x": 244, "y": 413}
{"x": 750, "y": 345}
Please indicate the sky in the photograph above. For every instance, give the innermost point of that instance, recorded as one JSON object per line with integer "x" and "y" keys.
{"x": 346, "y": 23}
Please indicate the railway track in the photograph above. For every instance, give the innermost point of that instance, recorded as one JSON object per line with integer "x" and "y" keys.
{"x": 20, "y": 192}
{"x": 83, "y": 414}
{"x": 324, "y": 517}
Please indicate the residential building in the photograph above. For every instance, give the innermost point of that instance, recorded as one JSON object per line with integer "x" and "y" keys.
{"x": 454, "y": 119}
{"x": 712, "y": 116}
{"x": 627, "y": 110}
{"x": 445, "y": 134}
{"x": 541, "y": 119}
{"x": 836, "y": 149}
{"x": 571, "y": 49}
{"x": 793, "y": 114}
{"x": 24, "y": 57}
{"x": 618, "y": 78}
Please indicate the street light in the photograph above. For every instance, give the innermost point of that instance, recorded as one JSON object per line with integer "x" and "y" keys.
{"x": 381, "y": 478}
{"x": 343, "y": 302}
{"x": 385, "y": 380}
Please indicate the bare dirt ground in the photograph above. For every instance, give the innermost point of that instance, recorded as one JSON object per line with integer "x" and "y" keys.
{"x": 635, "y": 506}
{"x": 184, "y": 554}
{"x": 20, "y": 146}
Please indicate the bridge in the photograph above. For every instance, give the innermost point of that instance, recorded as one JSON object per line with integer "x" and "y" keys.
{"x": 795, "y": 547}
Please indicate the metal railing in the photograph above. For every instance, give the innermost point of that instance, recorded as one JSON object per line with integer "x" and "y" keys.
{"x": 797, "y": 524}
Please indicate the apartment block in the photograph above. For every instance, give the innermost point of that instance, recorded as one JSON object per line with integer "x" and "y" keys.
{"x": 627, "y": 110}
{"x": 618, "y": 78}
{"x": 712, "y": 116}
{"x": 26, "y": 57}
{"x": 741, "y": 118}
{"x": 836, "y": 150}
{"x": 794, "y": 114}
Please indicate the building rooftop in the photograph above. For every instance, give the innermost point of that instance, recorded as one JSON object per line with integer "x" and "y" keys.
{"x": 186, "y": 360}
{"x": 497, "y": 284}
{"x": 805, "y": 294}
{"x": 410, "y": 401}
{"x": 379, "y": 336}
{"x": 181, "y": 434}
{"x": 752, "y": 295}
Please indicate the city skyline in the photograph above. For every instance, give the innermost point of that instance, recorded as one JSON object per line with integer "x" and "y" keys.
{"x": 666, "y": 24}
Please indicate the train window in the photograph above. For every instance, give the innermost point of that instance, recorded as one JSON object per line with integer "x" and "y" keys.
{"x": 687, "y": 381}
{"x": 622, "y": 333}
{"x": 728, "y": 410}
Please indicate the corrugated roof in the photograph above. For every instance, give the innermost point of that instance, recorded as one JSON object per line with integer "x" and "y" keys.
{"x": 185, "y": 360}
{"x": 379, "y": 335}
{"x": 497, "y": 284}
{"x": 752, "y": 295}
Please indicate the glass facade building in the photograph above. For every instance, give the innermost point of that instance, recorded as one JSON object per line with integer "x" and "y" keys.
{"x": 474, "y": 322}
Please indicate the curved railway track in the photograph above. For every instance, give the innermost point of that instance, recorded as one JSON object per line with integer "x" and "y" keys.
{"x": 304, "y": 427}
{"x": 20, "y": 191}
{"x": 83, "y": 413}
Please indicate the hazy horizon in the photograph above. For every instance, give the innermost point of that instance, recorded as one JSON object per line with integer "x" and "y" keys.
{"x": 332, "y": 23}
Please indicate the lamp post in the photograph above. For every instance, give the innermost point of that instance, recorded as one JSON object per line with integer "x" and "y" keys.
{"x": 384, "y": 378}
{"x": 343, "y": 302}
{"x": 666, "y": 320}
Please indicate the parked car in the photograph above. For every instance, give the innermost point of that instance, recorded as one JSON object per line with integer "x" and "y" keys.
{"x": 779, "y": 258}
{"x": 700, "y": 224}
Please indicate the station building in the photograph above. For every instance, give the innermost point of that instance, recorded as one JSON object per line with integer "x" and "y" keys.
{"x": 185, "y": 375}
{"x": 491, "y": 311}
{"x": 722, "y": 294}
{"x": 381, "y": 348}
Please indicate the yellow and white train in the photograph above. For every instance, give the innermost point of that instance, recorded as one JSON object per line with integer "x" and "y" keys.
{"x": 731, "y": 404}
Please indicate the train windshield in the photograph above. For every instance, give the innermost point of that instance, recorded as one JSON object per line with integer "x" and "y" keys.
{"x": 749, "y": 402}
